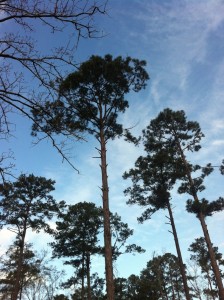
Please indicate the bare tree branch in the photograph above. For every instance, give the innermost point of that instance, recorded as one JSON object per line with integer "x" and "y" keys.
{"x": 24, "y": 69}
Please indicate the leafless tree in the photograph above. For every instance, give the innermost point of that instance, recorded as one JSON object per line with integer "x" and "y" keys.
{"x": 26, "y": 67}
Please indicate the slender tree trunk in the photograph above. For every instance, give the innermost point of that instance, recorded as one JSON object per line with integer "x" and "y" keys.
{"x": 83, "y": 278}
{"x": 106, "y": 220}
{"x": 201, "y": 218}
{"x": 212, "y": 256}
{"x": 164, "y": 288}
{"x": 177, "y": 288}
{"x": 181, "y": 264}
{"x": 173, "y": 292}
{"x": 21, "y": 289}
{"x": 17, "y": 286}
{"x": 88, "y": 275}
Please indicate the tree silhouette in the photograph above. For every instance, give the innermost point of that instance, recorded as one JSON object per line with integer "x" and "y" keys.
{"x": 27, "y": 204}
{"x": 179, "y": 136}
{"x": 9, "y": 265}
{"x": 77, "y": 239}
{"x": 90, "y": 100}
{"x": 153, "y": 178}
{"x": 164, "y": 275}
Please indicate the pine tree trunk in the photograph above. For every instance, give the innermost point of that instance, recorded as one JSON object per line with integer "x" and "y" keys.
{"x": 212, "y": 257}
{"x": 204, "y": 228}
{"x": 88, "y": 275}
{"x": 83, "y": 278}
{"x": 17, "y": 286}
{"x": 106, "y": 220}
{"x": 181, "y": 264}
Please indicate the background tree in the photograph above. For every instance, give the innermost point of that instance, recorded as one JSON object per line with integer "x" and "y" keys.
{"x": 97, "y": 289}
{"x": 177, "y": 135}
{"x": 200, "y": 254}
{"x": 44, "y": 286}
{"x": 27, "y": 204}
{"x": 90, "y": 100}
{"x": 77, "y": 239}
{"x": 8, "y": 268}
{"x": 60, "y": 297}
{"x": 152, "y": 178}
{"x": 133, "y": 287}
{"x": 120, "y": 285}
{"x": 161, "y": 279}
{"x": 22, "y": 58}
{"x": 120, "y": 234}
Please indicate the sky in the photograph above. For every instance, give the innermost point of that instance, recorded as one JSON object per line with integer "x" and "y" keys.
{"x": 183, "y": 45}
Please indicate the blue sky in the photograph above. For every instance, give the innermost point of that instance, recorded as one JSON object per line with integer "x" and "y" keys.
{"x": 183, "y": 44}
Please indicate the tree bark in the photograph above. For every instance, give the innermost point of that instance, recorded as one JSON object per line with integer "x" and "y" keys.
{"x": 212, "y": 256}
{"x": 181, "y": 264}
{"x": 106, "y": 220}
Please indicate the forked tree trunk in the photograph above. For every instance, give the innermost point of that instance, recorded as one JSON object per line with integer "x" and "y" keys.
{"x": 181, "y": 264}
{"x": 106, "y": 220}
{"x": 201, "y": 218}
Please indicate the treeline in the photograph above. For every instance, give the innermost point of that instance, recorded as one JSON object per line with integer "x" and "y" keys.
{"x": 89, "y": 102}
{"x": 160, "y": 279}
{"x": 27, "y": 204}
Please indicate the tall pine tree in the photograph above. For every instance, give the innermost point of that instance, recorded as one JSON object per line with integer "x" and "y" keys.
{"x": 90, "y": 101}
{"x": 179, "y": 137}
{"x": 153, "y": 178}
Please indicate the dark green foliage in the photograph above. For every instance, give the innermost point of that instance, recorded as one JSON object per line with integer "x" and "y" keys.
{"x": 27, "y": 202}
{"x": 61, "y": 297}
{"x": 205, "y": 207}
{"x": 133, "y": 287}
{"x": 161, "y": 279}
{"x": 171, "y": 127}
{"x": 152, "y": 179}
{"x": 97, "y": 289}
{"x": 77, "y": 231}
{"x": 222, "y": 168}
{"x": 120, "y": 234}
{"x": 91, "y": 98}
{"x": 164, "y": 278}
{"x": 156, "y": 173}
{"x": 77, "y": 238}
{"x": 179, "y": 136}
{"x": 196, "y": 186}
